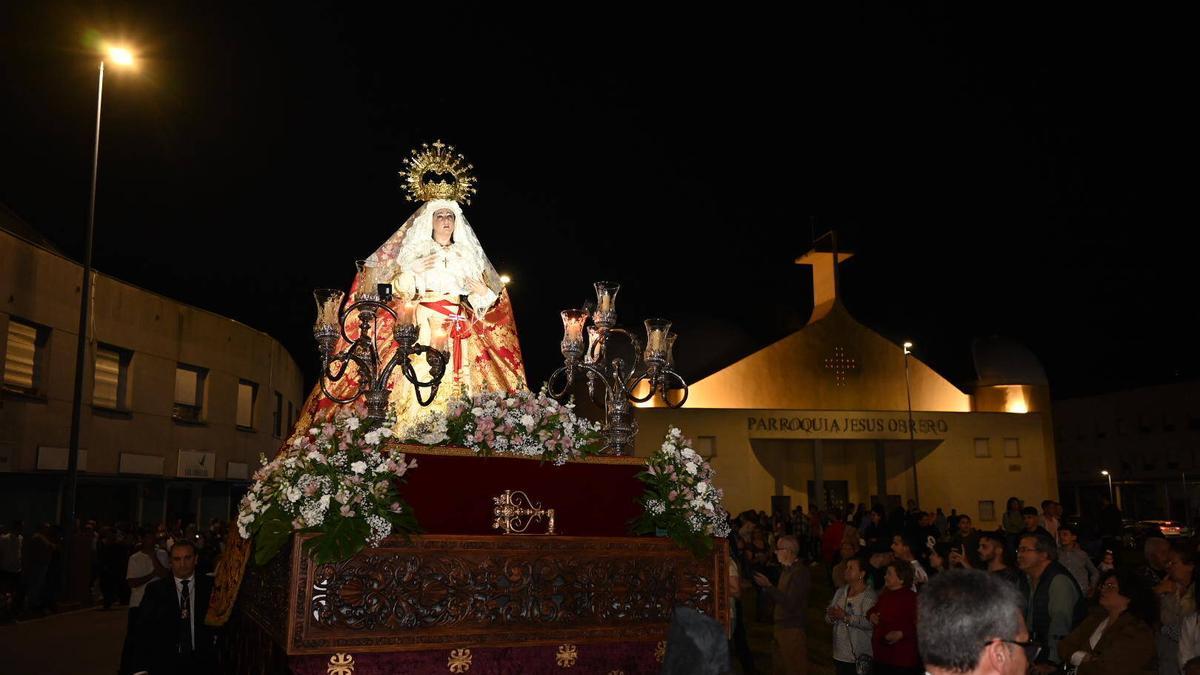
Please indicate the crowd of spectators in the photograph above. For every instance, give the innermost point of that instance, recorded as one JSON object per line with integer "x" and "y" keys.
{"x": 33, "y": 580}
{"x": 1086, "y": 606}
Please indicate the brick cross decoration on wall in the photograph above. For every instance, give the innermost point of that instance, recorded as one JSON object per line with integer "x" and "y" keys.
{"x": 840, "y": 365}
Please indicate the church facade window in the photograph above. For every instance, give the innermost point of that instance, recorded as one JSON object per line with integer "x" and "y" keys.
{"x": 987, "y": 510}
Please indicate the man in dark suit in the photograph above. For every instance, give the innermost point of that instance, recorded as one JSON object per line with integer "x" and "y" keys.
{"x": 172, "y": 637}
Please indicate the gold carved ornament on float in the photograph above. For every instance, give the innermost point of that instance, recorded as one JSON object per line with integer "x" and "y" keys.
{"x": 438, "y": 172}
{"x": 514, "y": 512}
{"x": 340, "y": 664}
{"x": 567, "y": 656}
{"x": 459, "y": 661}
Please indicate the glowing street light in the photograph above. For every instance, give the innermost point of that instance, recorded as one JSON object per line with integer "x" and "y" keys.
{"x": 1108, "y": 475}
{"x": 912, "y": 452}
{"x": 505, "y": 279}
{"x": 122, "y": 57}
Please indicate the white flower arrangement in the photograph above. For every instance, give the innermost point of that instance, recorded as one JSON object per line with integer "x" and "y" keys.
{"x": 340, "y": 461}
{"x": 519, "y": 423}
{"x": 681, "y": 497}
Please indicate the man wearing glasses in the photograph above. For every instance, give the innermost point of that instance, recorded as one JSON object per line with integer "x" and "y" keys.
{"x": 789, "y": 653}
{"x": 970, "y": 623}
{"x": 1054, "y": 606}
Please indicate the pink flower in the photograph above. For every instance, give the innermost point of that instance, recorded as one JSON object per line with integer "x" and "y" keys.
{"x": 346, "y": 511}
{"x": 327, "y": 430}
{"x": 311, "y": 489}
{"x": 672, "y": 495}
{"x": 395, "y": 507}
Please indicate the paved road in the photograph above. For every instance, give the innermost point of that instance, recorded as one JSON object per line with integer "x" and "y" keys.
{"x": 84, "y": 641}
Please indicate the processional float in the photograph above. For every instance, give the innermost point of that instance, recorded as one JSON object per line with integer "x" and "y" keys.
{"x": 521, "y": 565}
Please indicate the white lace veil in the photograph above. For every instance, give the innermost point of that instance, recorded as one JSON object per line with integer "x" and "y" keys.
{"x": 414, "y": 240}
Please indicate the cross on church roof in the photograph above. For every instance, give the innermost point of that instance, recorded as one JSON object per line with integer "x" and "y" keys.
{"x": 824, "y": 258}
{"x": 840, "y": 364}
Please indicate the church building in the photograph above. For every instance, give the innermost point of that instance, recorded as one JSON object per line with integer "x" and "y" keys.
{"x": 836, "y": 410}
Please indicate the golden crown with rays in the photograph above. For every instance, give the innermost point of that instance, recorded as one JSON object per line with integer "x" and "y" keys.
{"x": 436, "y": 171}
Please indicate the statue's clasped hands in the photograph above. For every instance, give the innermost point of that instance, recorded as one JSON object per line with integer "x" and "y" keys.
{"x": 426, "y": 263}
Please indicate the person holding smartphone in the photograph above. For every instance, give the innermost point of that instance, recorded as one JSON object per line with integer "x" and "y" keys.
{"x": 965, "y": 542}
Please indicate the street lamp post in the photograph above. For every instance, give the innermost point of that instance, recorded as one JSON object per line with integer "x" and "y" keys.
{"x": 121, "y": 57}
{"x": 1108, "y": 475}
{"x": 912, "y": 451}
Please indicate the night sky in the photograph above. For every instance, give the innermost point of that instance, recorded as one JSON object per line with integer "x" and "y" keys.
{"x": 1011, "y": 174}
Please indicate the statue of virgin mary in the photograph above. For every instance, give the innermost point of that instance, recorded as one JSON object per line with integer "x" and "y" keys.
{"x": 464, "y": 308}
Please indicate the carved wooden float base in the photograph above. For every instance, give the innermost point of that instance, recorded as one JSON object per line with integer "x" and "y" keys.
{"x": 439, "y": 593}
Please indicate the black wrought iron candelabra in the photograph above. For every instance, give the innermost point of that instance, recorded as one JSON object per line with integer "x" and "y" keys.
{"x": 618, "y": 382}
{"x": 372, "y": 301}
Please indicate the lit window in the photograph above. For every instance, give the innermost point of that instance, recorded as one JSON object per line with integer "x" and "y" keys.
{"x": 982, "y": 449}
{"x": 25, "y": 357}
{"x": 189, "y": 393}
{"x": 1012, "y": 447}
{"x": 111, "y": 386}
{"x": 247, "y": 395}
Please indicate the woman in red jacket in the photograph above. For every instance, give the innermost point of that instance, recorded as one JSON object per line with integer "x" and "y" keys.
{"x": 894, "y": 641}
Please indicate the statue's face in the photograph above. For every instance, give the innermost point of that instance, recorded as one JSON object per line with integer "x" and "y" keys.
{"x": 443, "y": 225}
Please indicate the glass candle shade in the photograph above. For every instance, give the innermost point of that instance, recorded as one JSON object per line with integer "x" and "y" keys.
{"x": 656, "y": 339}
{"x": 594, "y": 346}
{"x": 606, "y": 302}
{"x": 573, "y": 323}
{"x": 368, "y": 281}
{"x": 439, "y": 334}
{"x": 406, "y": 310}
{"x": 671, "y": 348}
{"x": 329, "y": 307}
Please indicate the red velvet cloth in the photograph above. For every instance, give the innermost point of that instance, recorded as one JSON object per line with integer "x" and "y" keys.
{"x": 453, "y": 495}
{"x": 630, "y": 658}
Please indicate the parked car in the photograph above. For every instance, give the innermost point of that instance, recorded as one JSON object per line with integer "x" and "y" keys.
{"x": 1171, "y": 529}
{"x": 1134, "y": 534}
